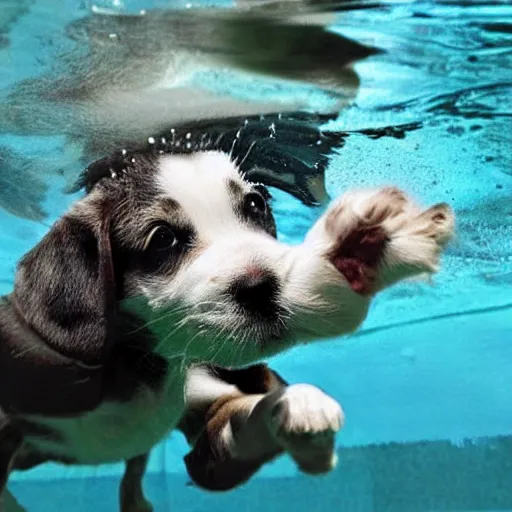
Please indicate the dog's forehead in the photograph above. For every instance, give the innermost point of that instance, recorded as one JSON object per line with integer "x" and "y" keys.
{"x": 206, "y": 185}
{"x": 195, "y": 172}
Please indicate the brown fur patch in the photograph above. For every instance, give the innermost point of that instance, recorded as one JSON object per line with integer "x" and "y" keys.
{"x": 359, "y": 255}
{"x": 210, "y": 464}
{"x": 254, "y": 379}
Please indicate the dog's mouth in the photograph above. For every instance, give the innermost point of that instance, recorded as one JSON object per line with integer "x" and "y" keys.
{"x": 236, "y": 342}
{"x": 238, "y": 331}
{"x": 248, "y": 328}
{"x": 259, "y": 320}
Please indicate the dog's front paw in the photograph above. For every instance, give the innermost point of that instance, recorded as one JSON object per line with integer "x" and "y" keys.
{"x": 378, "y": 237}
{"x": 305, "y": 421}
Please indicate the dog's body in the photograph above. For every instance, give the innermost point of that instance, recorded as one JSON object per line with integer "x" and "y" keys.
{"x": 125, "y": 319}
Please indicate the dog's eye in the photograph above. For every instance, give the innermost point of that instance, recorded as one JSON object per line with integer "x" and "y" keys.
{"x": 254, "y": 205}
{"x": 263, "y": 190}
{"x": 161, "y": 238}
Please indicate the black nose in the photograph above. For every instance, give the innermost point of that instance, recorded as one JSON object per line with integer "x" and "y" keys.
{"x": 257, "y": 293}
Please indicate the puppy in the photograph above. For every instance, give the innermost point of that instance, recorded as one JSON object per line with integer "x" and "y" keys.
{"x": 144, "y": 307}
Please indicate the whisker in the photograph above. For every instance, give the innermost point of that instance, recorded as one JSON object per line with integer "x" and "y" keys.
{"x": 253, "y": 143}
{"x": 154, "y": 321}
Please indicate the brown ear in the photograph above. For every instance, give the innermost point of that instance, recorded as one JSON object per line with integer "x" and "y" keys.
{"x": 65, "y": 288}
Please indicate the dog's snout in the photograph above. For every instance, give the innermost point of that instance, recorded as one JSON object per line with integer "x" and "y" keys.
{"x": 256, "y": 291}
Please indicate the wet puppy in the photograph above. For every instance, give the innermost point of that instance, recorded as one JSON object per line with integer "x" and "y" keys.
{"x": 142, "y": 309}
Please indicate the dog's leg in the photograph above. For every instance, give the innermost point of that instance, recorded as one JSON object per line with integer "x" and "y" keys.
{"x": 11, "y": 440}
{"x": 243, "y": 431}
{"x": 8, "y": 503}
{"x": 131, "y": 492}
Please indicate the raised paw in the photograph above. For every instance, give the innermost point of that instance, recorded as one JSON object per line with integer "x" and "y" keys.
{"x": 416, "y": 241}
{"x": 305, "y": 421}
{"x": 375, "y": 238}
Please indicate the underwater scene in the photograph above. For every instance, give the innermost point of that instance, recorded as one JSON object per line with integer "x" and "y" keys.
{"x": 313, "y": 98}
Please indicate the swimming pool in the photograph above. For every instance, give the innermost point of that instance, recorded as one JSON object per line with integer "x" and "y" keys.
{"x": 426, "y": 384}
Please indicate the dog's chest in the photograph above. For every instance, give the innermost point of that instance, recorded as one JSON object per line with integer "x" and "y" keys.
{"x": 115, "y": 431}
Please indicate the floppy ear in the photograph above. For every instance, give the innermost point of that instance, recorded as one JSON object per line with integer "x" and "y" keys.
{"x": 65, "y": 287}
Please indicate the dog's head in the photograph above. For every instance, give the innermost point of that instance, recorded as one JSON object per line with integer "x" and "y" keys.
{"x": 189, "y": 246}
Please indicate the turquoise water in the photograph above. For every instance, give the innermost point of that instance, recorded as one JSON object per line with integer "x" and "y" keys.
{"x": 426, "y": 385}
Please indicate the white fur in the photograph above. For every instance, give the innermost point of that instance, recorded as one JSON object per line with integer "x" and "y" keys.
{"x": 301, "y": 419}
{"x": 316, "y": 297}
{"x": 317, "y": 300}
{"x": 305, "y": 408}
{"x": 199, "y": 183}
{"x": 117, "y": 431}
{"x": 195, "y": 319}
{"x": 202, "y": 388}
{"x": 305, "y": 425}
